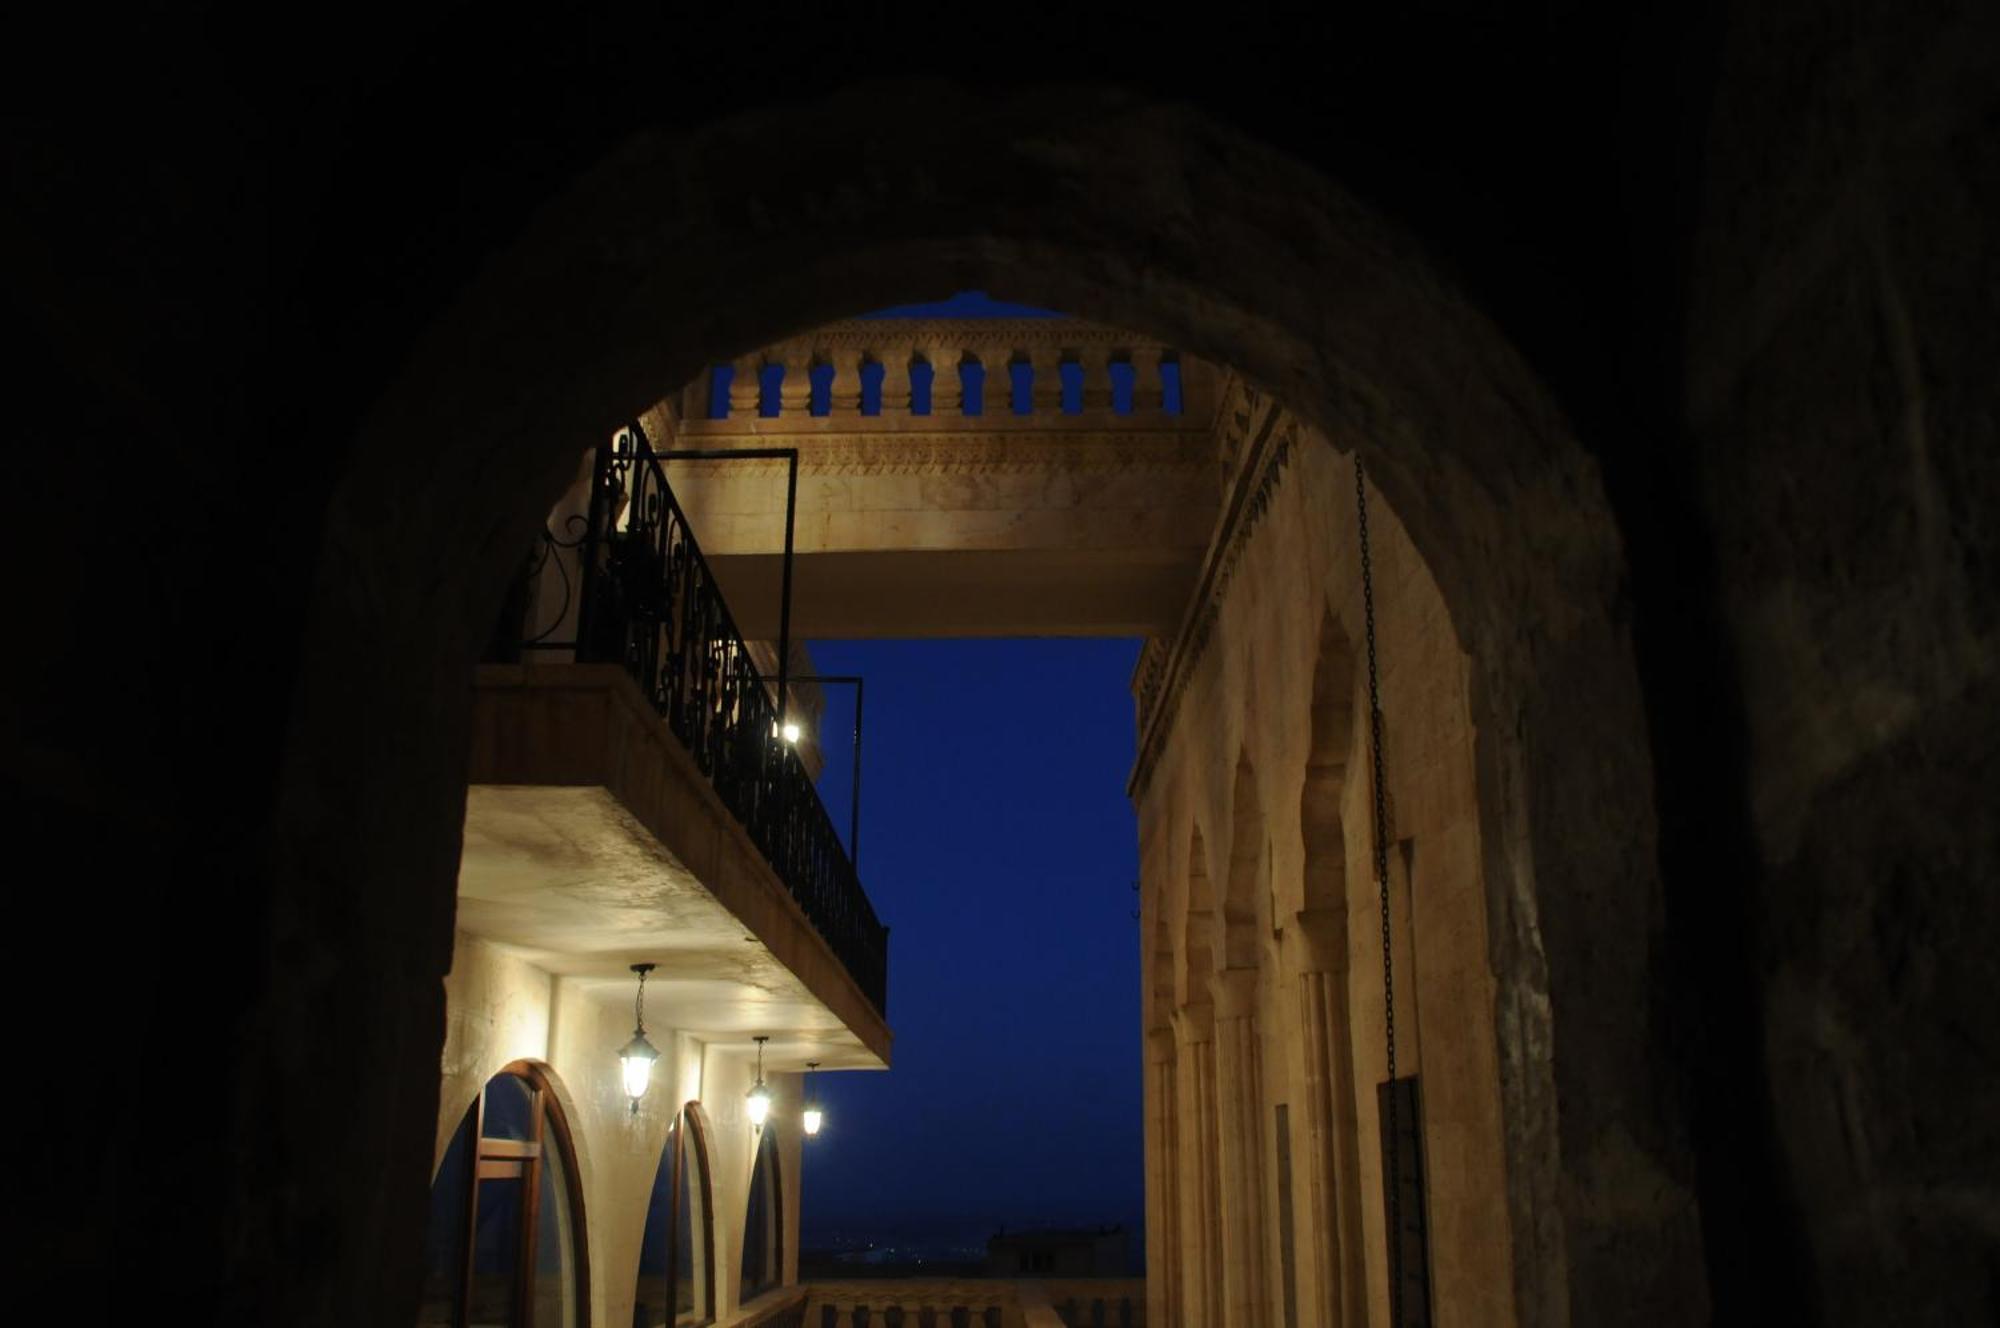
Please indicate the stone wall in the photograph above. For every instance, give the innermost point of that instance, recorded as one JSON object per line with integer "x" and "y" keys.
{"x": 1264, "y": 774}
{"x": 1842, "y": 345}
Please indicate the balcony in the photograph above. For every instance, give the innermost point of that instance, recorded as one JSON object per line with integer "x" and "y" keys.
{"x": 631, "y": 797}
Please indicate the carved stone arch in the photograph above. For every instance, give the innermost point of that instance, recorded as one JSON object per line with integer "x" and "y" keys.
{"x": 677, "y": 249}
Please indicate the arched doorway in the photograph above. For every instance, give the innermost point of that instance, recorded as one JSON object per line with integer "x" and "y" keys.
{"x": 593, "y": 315}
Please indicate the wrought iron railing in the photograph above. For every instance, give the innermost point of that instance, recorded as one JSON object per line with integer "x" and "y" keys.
{"x": 644, "y": 597}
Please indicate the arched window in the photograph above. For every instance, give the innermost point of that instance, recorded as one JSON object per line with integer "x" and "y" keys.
{"x": 764, "y": 1222}
{"x": 505, "y": 1244}
{"x": 676, "y": 1266}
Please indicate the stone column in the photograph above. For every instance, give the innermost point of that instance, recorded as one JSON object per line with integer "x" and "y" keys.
{"x": 1163, "y": 1171}
{"x": 1332, "y": 1237}
{"x": 1201, "y": 1195}
{"x": 1240, "y": 1128}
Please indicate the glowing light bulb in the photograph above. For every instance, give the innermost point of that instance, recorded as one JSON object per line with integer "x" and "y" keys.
{"x": 636, "y": 1064}
{"x": 791, "y": 732}
{"x": 812, "y": 1116}
{"x": 758, "y": 1105}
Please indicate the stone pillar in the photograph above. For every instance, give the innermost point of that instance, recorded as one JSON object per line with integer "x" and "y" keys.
{"x": 1240, "y": 1129}
{"x": 1331, "y": 1239}
{"x": 1163, "y": 1170}
{"x": 1201, "y": 1195}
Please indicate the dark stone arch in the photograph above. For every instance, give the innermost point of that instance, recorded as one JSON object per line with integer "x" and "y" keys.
{"x": 680, "y": 249}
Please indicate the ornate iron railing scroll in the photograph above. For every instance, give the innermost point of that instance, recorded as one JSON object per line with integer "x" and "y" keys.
{"x": 649, "y": 601}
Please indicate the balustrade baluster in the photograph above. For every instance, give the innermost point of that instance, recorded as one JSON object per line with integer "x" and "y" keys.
{"x": 896, "y": 380}
{"x": 1045, "y": 387}
{"x": 1149, "y": 387}
{"x": 746, "y": 387}
{"x": 1096, "y": 362}
{"x": 947, "y": 381}
{"x": 795, "y": 389}
{"x": 999, "y": 400}
{"x": 843, "y": 395}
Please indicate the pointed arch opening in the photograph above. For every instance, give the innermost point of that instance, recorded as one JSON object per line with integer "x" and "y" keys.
{"x": 764, "y": 1220}
{"x": 676, "y": 1285}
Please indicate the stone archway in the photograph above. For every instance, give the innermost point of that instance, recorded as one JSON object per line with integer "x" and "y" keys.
{"x": 678, "y": 250}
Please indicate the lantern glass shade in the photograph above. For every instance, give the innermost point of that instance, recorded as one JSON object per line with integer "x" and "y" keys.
{"x": 812, "y": 1117}
{"x": 636, "y": 1060}
{"x": 758, "y": 1105}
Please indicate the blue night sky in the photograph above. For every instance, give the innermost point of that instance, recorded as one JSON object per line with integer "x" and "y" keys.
{"x": 997, "y": 843}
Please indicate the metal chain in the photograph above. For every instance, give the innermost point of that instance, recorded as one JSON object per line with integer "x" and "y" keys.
{"x": 639, "y": 1004}
{"x": 1395, "y": 1149}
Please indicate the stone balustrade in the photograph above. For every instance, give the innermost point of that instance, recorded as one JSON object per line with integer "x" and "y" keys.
{"x": 975, "y": 373}
{"x": 976, "y": 1303}
{"x": 1095, "y": 1302}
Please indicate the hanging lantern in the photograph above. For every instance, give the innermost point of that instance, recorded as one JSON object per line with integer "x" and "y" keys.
{"x": 757, "y": 1103}
{"x": 811, "y": 1117}
{"x": 635, "y": 1059}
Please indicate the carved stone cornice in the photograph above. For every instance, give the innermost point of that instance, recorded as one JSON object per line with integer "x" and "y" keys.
{"x": 1274, "y": 434}
{"x": 952, "y": 453}
{"x": 867, "y": 334}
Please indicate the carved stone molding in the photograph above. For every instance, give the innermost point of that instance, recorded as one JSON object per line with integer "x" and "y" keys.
{"x": 1160, "y": 691}
{"x": 958, "y": 453}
